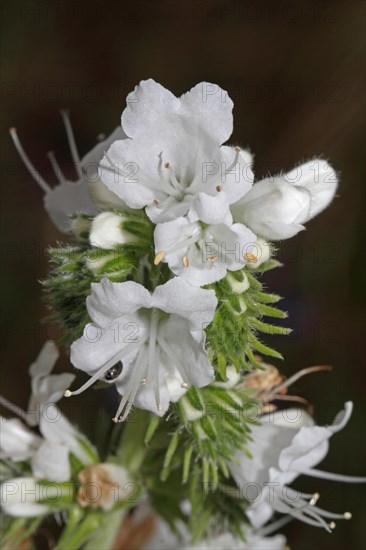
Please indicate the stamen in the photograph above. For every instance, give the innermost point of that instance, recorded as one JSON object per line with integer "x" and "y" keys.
{"x": 312, "y": 472}
{"x": 56, "y": 167}
{"x": 159, "y": 257}
{"x": 72, "y": 143}
{"x": 13, "y": 408}
{"x": 132, "y": 386}
{"x": 236, "y": 158}
{"x": 300, "y": 374}
{"x": 185, "y": 261}
{"x": 250, "y": 257}
{"x": 173, "y": 178}
{"x": 174, "y": 359}
{"x": 27, "y": 163}
{"x": 102, "y": 370}
{"x": 314, "y": 499}
{"x": 153, "y": 368}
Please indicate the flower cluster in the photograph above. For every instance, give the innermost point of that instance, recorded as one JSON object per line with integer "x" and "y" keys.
{"x": 160, "y": 298}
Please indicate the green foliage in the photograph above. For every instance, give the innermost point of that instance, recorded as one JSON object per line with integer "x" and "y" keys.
{"x": 187, "y": 455}
{"x": 233, "y": 337}
{"x": 75, "y": 267}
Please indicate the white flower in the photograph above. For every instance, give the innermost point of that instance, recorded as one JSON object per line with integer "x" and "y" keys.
{"x": 142, "y": 341}
{"x": 70, "y": 197}
{"x": 174, "y": 158}
{"x": 48, "y": 454}
{"x": 20, "y": 497}
{"x": 46, "y": 388}
{"x": 201, "y": 254}
{"x": 17, "y": 442}
{"x": 276, "y": 208}
{"x": 103, "y": 485}
{"x": 286, "y": 445}
{"x": 106, "y": 231}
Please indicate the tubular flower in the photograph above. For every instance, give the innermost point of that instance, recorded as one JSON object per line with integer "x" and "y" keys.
{"x": 86, "y": 194}
{"x": 286, "y": 445}
{"x": 201, "y": 253}
{"x": 146, "y": 343}
{"x": 174, "y": 158}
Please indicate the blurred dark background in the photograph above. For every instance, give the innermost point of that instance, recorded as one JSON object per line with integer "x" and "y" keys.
{"x": 296, "y": 73}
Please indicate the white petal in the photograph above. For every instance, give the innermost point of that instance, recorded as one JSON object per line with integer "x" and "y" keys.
{"x": 194, "y": 304}
{"x": 17, "y": 442}
{"x": 109, "y": 301}
{"x": 18, "y": 497}
{"x": 91, "y": 160}
{"x": 320, "y": 179}
{"x": 212, "y": 107}
{"x": 66, "y": 199}
{"x": 103, "y": 197}
{"x": 45, "y": 361}
{"x": 188, "y": 349}
{"x": 211, "y": 209}
{"x": 146, "y": 106}
{"x": 47, "y": 389}
{"x": 51, "y": 462}
{"x": 310, "y": 445}
{"x": 274, "y": 209}
{"x": 236, "y": 180}
{"x": 97, "y": 346}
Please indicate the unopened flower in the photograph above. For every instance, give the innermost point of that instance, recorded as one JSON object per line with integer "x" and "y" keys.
{"x": 277, "y": 208}
{"x": 201, "y": 253}
{"x": 106, "y": 231}
{"x": 174, "y": 159}
{"x": 103, "y": 485}
{"x": 69, "y": 197}
{"x": 286, "y": 445}
{"x": 142, "y": 341}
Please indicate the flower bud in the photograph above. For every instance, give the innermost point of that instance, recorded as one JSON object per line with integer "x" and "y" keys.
{"x": 106, "y": 231}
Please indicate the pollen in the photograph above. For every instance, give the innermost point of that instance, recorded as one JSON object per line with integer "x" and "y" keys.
{"x": 250, "y": 257}
{"x": 185, "y": 261}
{"x": 159, "y": 256}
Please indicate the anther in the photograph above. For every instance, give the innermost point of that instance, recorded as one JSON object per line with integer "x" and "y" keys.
{"x": 314, "y": 499}
{"x": 160, "y": 407}
{"x": 156, "y": 202}
{"x": 167, "y": 165}
{"x": 250, "y": 257}
{"x": 67, "y": 393}
{"x": 185, "y": 261}
{"x": 347, "y": 515}
{"x": 212, "y": 259}
{"x": 184, "y": 385}
{"x": 159, "y": 256}
{"x": 101, "y": 137}
{"x": 237, "y": 149}
{"x": 218, "y": 188}
{"x": 332, "y": 525}
{"x": 143, "y": 381}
